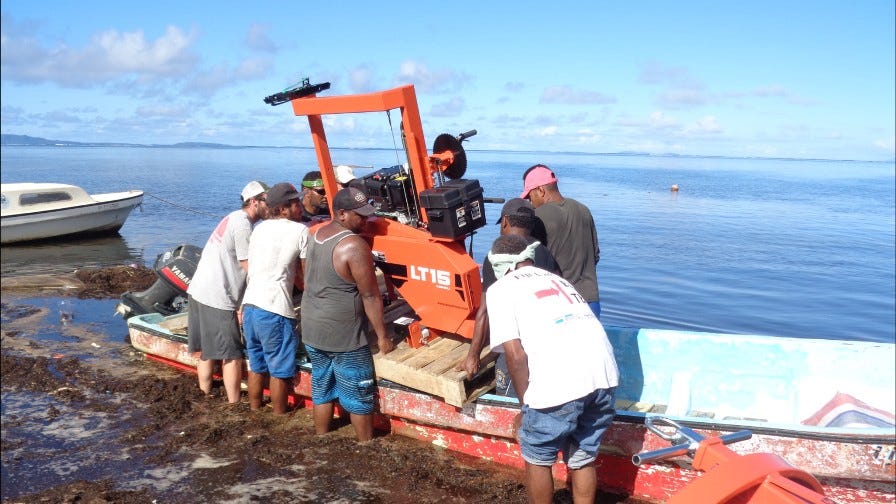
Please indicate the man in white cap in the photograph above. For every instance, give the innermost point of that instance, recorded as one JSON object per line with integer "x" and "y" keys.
{"x": 216, "y": 292}
{"x": 344, "y": 175}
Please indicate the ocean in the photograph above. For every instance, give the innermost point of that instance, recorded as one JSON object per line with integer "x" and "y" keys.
{"x": 780, "y": 247}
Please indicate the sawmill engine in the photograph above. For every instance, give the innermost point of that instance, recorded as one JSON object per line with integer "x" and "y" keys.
{"x": 454, "y": 209}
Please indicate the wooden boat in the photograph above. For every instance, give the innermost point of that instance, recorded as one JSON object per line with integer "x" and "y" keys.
{"x": 824, "y": 406}
{"x": 39, "y": 211}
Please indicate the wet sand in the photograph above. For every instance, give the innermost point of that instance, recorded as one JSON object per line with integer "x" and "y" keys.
{"x": 88, "y": 419}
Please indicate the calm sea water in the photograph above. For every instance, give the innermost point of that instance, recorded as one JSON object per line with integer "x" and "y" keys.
{"x": 756, "y": 246}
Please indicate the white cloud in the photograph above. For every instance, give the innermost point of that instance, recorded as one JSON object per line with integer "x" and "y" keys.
{"x": 450, "y": 108}
{"x": 683, "y": 98}
{"x": 886, "y": 144}
{"x": 360, "y": 79}
{"x": 706, "y": 124}
{"x": 568, "y": 96}
{"x": 659, "y": 120}
{"x": 109, "y": 55}
{"x": 257, "y": 39}
{"x": 659, "y": 74}
{"x": 547, "y": 131}
{"x": 430, "y": 81}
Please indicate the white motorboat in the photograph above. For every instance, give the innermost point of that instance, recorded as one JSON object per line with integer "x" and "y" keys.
{"x": 38, "y": 211}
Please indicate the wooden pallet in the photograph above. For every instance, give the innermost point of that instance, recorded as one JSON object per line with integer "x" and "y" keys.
{"x": 431, "y": 369}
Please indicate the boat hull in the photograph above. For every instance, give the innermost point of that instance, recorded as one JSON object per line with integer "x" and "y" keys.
{"x": 853, "y": 466}
{"x": 92, "y": 215}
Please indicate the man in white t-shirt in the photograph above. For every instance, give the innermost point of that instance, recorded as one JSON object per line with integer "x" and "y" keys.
{"x": 276, "y": 264}
{"x": 561, "y": 363}
{"x": 216, "y": 291}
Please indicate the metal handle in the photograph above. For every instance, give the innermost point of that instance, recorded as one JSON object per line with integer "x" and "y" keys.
{"x": 690, "y": 437}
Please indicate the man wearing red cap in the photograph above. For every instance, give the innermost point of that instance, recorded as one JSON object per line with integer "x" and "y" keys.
{"x": 568, "y": 232}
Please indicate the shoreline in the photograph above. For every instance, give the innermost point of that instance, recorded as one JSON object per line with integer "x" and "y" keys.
{"x": 87, "y": 418}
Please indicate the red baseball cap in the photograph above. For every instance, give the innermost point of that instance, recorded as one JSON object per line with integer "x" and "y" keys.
{"x": 539, "y": 176}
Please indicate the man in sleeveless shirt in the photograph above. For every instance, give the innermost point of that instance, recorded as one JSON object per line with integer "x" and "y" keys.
{"x": 216, "y": 291}
{"x": 341, "y": 299}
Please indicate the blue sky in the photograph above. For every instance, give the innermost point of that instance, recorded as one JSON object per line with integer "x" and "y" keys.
{"x": 760, "y": 78}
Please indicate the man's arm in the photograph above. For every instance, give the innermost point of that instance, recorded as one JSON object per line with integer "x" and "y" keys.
{"x": 480, "y": 336}
{"x": 356, "y": 254}
{"x": 596, "y": 243}
{"x": 518, "y": 366}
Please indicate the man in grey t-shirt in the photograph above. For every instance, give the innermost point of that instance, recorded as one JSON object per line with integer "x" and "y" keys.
{"x": 216, "y": 291}
{"x": 568, "y": 232}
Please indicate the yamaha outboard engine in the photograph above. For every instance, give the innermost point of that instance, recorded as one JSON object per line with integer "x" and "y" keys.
{"x": 168, "y": 295}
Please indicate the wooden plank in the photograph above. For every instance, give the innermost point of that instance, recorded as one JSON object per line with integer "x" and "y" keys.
{"x": 448, "y": 384}
{"x": 432, "y": 352}
{"x": 447, "y": 361}
{"x": 623, "y": 404}
{"x": 402, "y": 351}
{"x": 641, "y": 407}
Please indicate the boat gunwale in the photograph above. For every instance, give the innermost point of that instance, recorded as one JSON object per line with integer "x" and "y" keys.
{"x": 864, "y": 436}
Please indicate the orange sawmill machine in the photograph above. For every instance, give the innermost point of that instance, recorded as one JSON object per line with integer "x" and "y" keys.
{"x": 425, "y": 210}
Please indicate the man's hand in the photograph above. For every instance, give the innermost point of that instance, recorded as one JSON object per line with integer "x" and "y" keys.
{"x": 470, "y": 365}
{"x": 517, "y": 422}
{"x": 385, "y": 344}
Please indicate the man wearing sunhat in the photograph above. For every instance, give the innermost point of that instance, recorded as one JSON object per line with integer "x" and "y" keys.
{"x": 568, "y": 232}
{"x": 276, "y": 258}
{"x": 341, "y": 299}
{"x": 216, "y": 292}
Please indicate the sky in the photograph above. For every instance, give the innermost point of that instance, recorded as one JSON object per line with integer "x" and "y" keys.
{"x": 762, "y": 78}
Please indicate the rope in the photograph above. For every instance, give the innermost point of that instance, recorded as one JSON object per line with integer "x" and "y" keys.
{"x": 180, "y": 206}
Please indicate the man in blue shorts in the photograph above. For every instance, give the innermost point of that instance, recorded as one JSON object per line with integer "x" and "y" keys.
{"x": 561, "y": 363}
{"x": 341, "y": 299}
{"x": 276, "y": 254}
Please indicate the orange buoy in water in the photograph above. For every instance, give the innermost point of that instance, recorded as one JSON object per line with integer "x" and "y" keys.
{"x": 674, "y": 188}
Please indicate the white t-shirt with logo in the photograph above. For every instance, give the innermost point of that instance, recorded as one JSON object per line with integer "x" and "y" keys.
{"x": 568, "y": 351}
{"x": 274, "y": 252}
{"x": 219, "y": 279}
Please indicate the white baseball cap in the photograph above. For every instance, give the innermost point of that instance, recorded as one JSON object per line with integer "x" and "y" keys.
{"x": 253, "y": 189}
{"x": 344, "y": 174}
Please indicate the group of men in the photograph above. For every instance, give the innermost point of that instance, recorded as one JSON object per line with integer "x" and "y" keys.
{"x": 540, "y": 311}
{"x": 241, "y": 299}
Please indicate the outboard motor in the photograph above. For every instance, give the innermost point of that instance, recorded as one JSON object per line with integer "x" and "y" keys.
{"x": 168, "y": 295}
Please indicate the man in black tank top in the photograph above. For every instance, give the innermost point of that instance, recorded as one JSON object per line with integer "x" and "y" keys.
{"x": 341, "y": 298}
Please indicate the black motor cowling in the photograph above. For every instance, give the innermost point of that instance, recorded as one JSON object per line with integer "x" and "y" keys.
{"x": 168, "y": 295}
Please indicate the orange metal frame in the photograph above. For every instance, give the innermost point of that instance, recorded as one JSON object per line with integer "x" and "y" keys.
{"x": 762, "y": 478}
{"x": 436, "y": 276}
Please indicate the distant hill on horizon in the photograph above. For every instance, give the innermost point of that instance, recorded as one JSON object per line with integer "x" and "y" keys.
{"x": 30, "y": 141}
{"x": 6, "y": 139}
